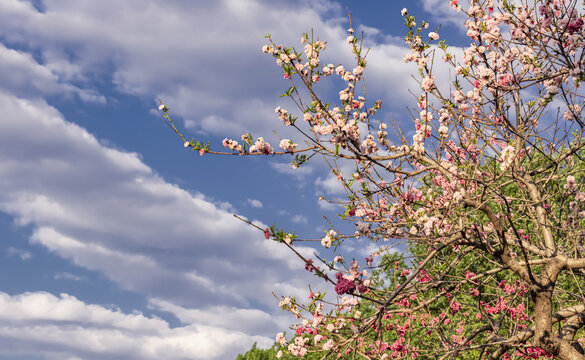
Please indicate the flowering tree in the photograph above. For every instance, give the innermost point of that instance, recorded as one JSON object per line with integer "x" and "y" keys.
{"x": 485, "y": 192}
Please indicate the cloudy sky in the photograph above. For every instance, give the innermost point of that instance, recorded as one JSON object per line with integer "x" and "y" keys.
{"x": 116, "y": 242}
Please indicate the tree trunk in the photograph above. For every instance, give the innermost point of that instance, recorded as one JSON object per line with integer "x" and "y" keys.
{"x": 544, "y": 337}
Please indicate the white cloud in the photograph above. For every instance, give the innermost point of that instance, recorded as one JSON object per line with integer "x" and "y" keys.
{"x": 367, "y": 247}
{"x": 328, "y": 205}
{"x": 68, "y": 276}
{"x": 299, "y": 219}
{"x": 443, "y": 13}
{"x": 106, "y": 211}
{"x": 330, "y": 185}
{"x": 66, "y": 326}
{"x": 24, "y": 76}
{"x": 22, "y": 254}
{"x": 188, "y": 61}
{"x": 255, "y": 203}
{"x": 300, "y": 174}
{"x": 202, "y": 58}
{"x": 253, "y": 320}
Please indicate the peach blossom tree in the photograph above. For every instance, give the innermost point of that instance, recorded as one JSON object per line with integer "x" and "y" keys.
{"x": 483, "y": 192}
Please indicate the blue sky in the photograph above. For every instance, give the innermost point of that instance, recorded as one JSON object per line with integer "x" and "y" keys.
{"x": 116, "y": 242}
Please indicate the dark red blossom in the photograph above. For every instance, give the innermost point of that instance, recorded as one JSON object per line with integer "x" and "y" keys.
{"x": 344, "y": 286}
{"x": 575, "y": 26}
{"x": 309, "y": 265}
{"x": 424, "y": 277}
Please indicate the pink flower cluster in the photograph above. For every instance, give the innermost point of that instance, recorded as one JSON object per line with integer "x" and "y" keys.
{"x": 287, "y": 145}
{"x": 261, "y": 147}
{"x": 232, "y": 145}
{"x": 283, "y": 115}
{"x": 450, "y": 184}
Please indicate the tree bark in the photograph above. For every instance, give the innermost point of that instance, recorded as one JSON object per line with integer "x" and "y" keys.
{"x": 544, "y": 337}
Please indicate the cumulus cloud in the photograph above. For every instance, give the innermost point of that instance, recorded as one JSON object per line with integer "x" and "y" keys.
{"x": 328, "y": 205}
{"x": 255, "y": 203}
{"x": 443, "y": 13}
{"x": 22, "y": 254}
{"x": 206, "y": 63}
{"x": 300, "y": 174}
{"x": 69, "y": 276}
{"x": 330, "y": 185}
{"x": 253, "y": 320}
{"x": 105, "y": 210}
{"x": 299, "y": 219}
{"x": 22, "y": 75}
{"x": 67, "y": 327}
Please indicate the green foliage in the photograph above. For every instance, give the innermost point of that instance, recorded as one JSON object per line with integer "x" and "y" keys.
{"x": 466, "y": 277}
{"x": 258, "y": 354}
{"x": 271, "y": 353}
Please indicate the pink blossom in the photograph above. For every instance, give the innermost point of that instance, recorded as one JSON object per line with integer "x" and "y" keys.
{"x": 358, "y": 70}
{"x": 232, "y": 145}
{"x": 570, "y": 182}
{"x": 369, "y": 146}
{"x": 505, "y": 79}
{"x": 280, "y": 339}
{"x": 288, "y": 239}
{"x": 287, "y": 145}
{"x": 427, "y": 83}
{"x": 328, "y": 345}
{"x": 507, "y": 157}
{"x": 443, "y": 130}
{"x": 409, "y": 57}
{"x": 326, "y": 241}
{"x": 328, "y": 70}
{"x": 424, "y": 277}
{"x": 261, "y": 147}
{"x": 572, "y": 113}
